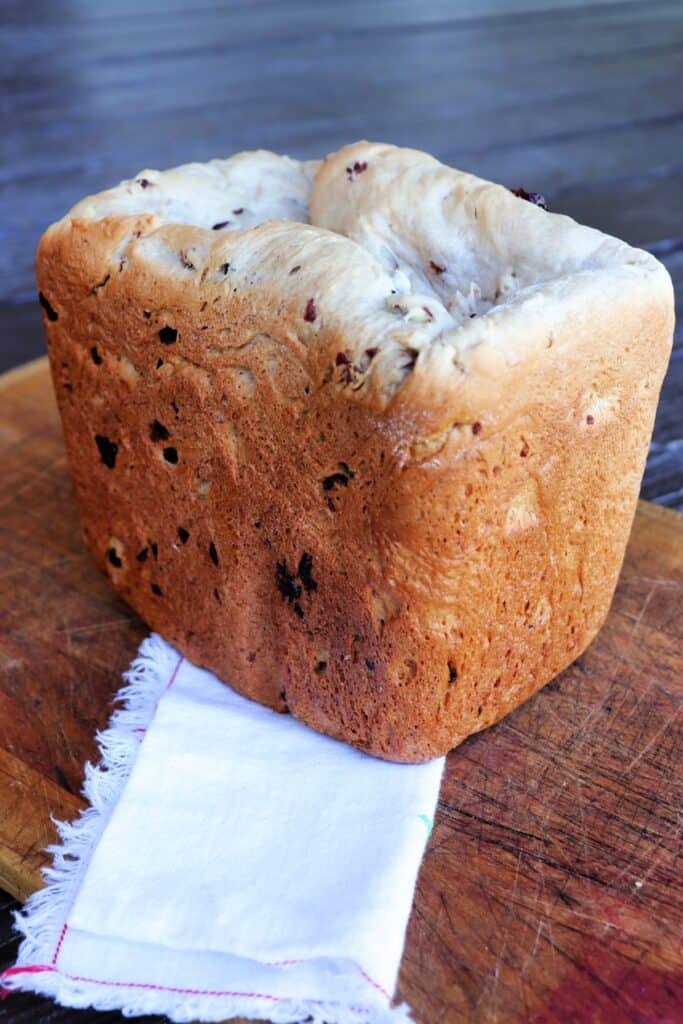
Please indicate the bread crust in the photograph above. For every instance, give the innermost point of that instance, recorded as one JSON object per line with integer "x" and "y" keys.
{"x": 398, "y": 548}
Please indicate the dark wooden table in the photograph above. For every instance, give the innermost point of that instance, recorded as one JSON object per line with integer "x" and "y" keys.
{"x": 579, "y": 100}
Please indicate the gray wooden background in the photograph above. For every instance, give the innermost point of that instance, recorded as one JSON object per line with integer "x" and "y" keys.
{"x": 582, "y": 101}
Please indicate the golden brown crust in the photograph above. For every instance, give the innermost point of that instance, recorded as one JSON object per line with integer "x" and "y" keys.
{"x": 399, "y": 565}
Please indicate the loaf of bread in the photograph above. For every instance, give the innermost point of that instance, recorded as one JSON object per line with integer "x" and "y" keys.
{"x": 363, "y": 436}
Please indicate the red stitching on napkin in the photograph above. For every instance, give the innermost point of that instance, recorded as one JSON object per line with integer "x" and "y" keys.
{"x": 38, "y": 968}
{"x": 288, "y": 963}
{"x": 374, "y": 983}
{"x": 174, "y": 673}
{"x": 62, "y": 935}
{"x": 29, "y": 969}
{"x": 42, "y": 968}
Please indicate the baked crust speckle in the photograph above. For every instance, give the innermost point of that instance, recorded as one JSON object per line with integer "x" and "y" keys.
{"x": 364, "y": 436}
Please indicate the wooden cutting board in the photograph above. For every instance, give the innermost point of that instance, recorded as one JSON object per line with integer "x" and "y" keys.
{"x": 549, "y": 890}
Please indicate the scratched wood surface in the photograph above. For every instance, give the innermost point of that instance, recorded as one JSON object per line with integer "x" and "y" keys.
{"x": 549, "y": 890}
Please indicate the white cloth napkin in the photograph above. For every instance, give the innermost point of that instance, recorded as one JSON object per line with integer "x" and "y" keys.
{"x": 232, "y": 862}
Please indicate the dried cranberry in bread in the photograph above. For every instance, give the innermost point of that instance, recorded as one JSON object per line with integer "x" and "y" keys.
{"x": 363, "y": 436}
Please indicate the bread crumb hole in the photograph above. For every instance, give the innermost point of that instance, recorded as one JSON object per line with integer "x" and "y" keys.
{"x": 321, "y": 662}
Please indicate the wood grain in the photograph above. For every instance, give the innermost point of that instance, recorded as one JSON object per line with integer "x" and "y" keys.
{"x": 550, "y": 880}
{"x": 28, "y": 800}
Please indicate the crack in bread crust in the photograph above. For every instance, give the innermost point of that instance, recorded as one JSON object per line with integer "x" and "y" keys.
{"x": 447, "y": 272}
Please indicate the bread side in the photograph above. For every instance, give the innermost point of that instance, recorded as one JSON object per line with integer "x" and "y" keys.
{"x": 399, "y": 542}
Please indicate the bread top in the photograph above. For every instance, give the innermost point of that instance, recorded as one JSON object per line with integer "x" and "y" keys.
{"x": 401, "y": 275}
